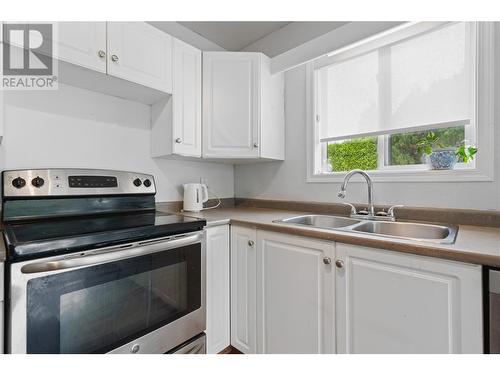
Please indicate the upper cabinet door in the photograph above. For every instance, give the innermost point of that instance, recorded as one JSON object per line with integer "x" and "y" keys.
{"x": 140, "y": 53}
{"x": 231, "y": 97}
{"x": 186, "y": 100}
{"x": 82, "y": 43}
{"x": 389, "y": 302}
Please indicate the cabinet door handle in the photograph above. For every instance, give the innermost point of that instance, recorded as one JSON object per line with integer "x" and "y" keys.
{"x": 251, "y": 243}
{"x": 255, "y": 145}
{"x": 178, "y": 140}
{"x": 114, "y": 58}
{"x": 101, "y": 53}
{"x": 327, "y": 260}
{"x": 339, "y": 263}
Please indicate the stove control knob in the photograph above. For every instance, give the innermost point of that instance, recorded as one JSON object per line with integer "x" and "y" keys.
{"x": 18, "y": 182}
{"x": 37, "y": 182}
{"x": 137, "y": 182}
{"x": 147, "y": 182}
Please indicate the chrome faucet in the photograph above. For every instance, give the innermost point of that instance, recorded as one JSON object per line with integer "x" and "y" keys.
{"x": 370, "y": 213}
{"x": 342, "y": 192}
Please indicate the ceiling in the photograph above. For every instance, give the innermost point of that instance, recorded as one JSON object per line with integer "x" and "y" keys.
{"x": 233, "y": 36}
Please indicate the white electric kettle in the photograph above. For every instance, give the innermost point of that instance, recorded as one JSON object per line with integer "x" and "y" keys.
{"x": 194, "y": 196}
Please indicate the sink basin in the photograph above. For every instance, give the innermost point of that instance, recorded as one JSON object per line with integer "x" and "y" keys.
{"x": 320, "y": 221}
{"x": 404, "y": 230}
{"x": 412, "y": 231}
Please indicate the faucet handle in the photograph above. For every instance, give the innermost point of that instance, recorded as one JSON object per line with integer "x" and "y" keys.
{"x": 353, "y": 209}
{"x": 390, "y": 211}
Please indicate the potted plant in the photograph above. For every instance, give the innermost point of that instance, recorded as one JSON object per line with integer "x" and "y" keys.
{"x": 442, "y": 158}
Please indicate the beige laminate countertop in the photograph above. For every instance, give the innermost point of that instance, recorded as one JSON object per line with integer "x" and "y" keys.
{"x": 474, "y": 244}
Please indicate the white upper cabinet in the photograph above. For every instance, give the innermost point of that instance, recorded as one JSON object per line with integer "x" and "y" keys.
{"x": 2, "y": 107}
{"x": 130, "y": 60}
{"x": 295, "y": 295}
{"x": 82, "y": 43}
{"x": 140, "y": 53}
{"x": 231, "y": 104}
{"x": 186, "y": 100}
{"x": 176, "y": 120}
{"x": 243, "y": 107}
{"x": 388, "y": 302}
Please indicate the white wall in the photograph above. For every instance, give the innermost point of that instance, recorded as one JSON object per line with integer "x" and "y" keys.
{"x": 73, "y": 127}
{"x": 287, "y": 180}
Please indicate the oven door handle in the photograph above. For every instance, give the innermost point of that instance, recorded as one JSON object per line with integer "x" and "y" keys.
{"x": 112, "y": 254}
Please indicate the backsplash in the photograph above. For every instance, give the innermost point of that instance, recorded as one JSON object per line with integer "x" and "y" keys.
{"x": 77, "y": 128}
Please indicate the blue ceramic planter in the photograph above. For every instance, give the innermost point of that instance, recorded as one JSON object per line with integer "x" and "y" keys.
{"x": 442, "y": 159}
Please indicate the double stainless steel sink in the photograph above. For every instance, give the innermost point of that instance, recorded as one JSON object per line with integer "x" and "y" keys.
{"x": 404, "y": 230}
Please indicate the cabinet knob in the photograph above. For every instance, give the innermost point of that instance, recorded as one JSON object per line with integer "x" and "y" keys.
{"x": 101, "y": 53}
{"x": 255, "y": 145}
{"x": 327, "y": 260}
{"x": 251, "y": 243}
{"x": 178, "y": 140}
{"x": 114, "y": 58}
{"x": 339, "y": 263}
{"x": 135, "y": 348}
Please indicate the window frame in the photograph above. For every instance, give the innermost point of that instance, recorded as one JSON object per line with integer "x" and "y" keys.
{"x": 481, "y": 119}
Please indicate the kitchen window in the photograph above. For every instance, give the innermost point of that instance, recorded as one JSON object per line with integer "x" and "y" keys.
{"x": 369, "y": 103}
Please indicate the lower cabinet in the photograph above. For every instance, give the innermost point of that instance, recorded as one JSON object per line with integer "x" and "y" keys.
{"x": 218, "y": 318}
{"x": 295, "y": 295}
{"x": 2, "y": 306}
{"x": 1, "y": 328}
{"x": 388, "y": 302}
{"x": 243, "y": 289}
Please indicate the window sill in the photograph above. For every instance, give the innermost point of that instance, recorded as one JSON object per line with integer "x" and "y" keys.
{"x": 455, "y": 175}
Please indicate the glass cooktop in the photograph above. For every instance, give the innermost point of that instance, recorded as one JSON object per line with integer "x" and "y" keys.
{"x": 44, "y": 238}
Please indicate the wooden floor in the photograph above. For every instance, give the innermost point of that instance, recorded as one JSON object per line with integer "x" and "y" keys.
{"x": 230, "y": 350}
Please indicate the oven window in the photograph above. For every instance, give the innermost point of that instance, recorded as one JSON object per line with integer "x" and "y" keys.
{"x": 99, "y": 308}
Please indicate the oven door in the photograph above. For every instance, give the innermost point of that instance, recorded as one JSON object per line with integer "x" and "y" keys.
{"x": 146, "y": 297}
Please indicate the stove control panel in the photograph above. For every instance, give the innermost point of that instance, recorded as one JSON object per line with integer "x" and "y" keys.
{"x": 92, "y": 181}
{"x": 74, "y": 182}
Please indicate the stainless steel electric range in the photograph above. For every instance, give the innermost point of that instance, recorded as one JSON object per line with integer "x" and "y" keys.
{"x": 93, "y": 268}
